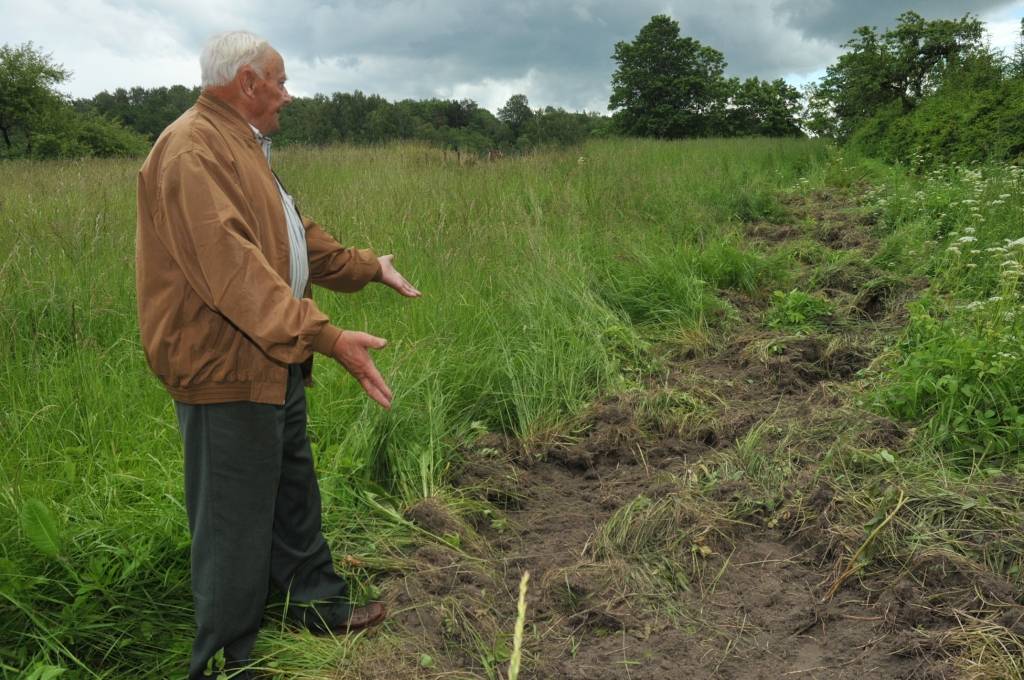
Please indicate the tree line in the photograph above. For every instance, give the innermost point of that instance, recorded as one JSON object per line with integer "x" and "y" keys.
{"x": 931, "y": 89}
{"x": 924, "y": 93}
{"x": 358, "y": 118}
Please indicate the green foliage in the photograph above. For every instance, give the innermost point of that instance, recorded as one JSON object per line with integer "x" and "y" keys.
{"x": 88, "y": 134}
{"x": 516, "y": 113}
{"x": 145, "y": 110}
{"x": 40, "y": 527}
{"x": 760, "y": 107}
{"x": 1017, "y": 63}
{"x": 962, "y": 377}
{"x": 670, "y": 86}
{"x": 28, "y": 95}
{"x": 358, "y": 118}
{"x": 975, "y": 115}
{"x": 956, "y": 372}
{"x": 895, "y": 69}
{"x": 655, "y": 290}
{"x": 798, "y": 311}
{"x": 666, "y": 85}
{"x": 36, "y": 120}
{"x": 725, "y": 265}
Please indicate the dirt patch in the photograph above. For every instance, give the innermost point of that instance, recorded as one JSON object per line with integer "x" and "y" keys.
{"x": 686, "y": 530}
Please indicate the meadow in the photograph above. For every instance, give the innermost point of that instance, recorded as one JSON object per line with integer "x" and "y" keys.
{"x": 553, "y": 282}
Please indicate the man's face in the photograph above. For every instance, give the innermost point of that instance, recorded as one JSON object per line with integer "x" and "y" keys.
{"x": 269, "y": 95}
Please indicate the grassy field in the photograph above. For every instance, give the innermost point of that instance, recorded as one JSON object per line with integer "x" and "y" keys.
{"x": 550, "y": 282}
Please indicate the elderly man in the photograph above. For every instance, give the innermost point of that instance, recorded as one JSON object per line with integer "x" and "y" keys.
{"x": 224, "y": 263}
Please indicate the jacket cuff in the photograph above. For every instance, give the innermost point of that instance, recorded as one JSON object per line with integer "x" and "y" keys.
{"x": 324, "y": 341}
{"x": 368, "y": 267}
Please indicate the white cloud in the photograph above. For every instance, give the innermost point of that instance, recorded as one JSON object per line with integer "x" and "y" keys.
{"x": 1004, "y": 28}
{"x": 490, "y": 93}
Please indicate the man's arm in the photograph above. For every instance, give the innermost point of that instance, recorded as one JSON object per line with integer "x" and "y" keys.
{"x": 333, "y": 266}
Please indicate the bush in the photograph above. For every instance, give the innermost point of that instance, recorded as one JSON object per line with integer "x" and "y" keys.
{"x": 74, "y": 135}
{"x": 108, "y": 138}
{"x": 977, "y": 115}
{"x": 961, "y": 377}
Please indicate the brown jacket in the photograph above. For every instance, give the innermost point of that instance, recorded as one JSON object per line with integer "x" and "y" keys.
{"x": 216, "y": 312}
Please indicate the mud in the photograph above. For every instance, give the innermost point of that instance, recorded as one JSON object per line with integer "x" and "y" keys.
{"x": 642, "y": 566}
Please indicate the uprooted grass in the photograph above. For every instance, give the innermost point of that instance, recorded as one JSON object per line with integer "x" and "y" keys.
{"x": 881, "y": 505}
{"x": 664, "y": 540}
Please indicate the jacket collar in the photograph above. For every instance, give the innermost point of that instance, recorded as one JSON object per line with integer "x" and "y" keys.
{"x": 230, "y": 121}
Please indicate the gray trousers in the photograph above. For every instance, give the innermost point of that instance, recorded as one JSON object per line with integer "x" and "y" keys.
{"x": 254, "y": 514}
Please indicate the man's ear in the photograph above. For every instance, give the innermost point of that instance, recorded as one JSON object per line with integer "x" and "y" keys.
{"x": 247, "y": 80}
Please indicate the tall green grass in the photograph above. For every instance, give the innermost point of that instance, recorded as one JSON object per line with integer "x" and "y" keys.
{"x": 541, "y": 277}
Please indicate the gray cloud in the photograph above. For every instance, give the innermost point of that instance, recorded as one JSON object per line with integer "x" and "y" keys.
{"x": 556, "y": 52}
{"x": 835, "y": 20}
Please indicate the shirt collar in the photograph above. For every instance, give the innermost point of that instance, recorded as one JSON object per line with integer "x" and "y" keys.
{"x": 263, "y": 140}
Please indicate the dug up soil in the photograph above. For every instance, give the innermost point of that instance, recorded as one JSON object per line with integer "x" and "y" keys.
{"x": 651, "y": 557}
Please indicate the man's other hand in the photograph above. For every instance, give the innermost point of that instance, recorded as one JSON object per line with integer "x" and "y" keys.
{"x": 390, "y": 277}
{"x": 351, "y": 350}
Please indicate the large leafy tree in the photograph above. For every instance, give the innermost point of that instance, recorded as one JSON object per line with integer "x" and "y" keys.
{"x": 897, "y": 68}
{"x": 762, "y": 107}
{"x": 516, "y": 113}
{"x": 667, "y": 85}
{"x": 29, "y": 99}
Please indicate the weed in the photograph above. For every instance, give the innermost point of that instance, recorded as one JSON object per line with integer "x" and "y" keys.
{"x": 798, "y": 312}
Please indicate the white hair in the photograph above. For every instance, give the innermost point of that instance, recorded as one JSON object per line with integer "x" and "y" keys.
{"x": 225, "y": 53}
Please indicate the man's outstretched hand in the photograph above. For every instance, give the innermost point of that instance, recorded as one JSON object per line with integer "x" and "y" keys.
{"x": 351, "y": 350}
{"x": 390, "y": 277}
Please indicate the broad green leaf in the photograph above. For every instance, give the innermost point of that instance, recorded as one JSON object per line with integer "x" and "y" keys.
{"x": 40, "y": 527}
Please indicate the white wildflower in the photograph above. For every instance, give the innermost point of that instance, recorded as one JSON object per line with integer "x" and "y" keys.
{"x": 966, "y": 239}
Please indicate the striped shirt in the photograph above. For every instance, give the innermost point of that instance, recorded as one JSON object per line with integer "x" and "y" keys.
{"x": 299, "y": 259}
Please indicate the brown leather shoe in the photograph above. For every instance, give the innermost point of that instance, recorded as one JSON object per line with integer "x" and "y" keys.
{"x": 363, "y": 617}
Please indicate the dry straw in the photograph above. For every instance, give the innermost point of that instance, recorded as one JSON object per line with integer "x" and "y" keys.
{"x": 517, "y": 639}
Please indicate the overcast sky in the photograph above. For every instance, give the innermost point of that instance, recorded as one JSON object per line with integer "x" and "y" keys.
{"x": 557, "y": 52}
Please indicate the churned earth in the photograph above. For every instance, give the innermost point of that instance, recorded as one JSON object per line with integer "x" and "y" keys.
{"x": 695, "y": 527}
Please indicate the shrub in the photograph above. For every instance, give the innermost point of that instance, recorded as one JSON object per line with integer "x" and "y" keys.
{"x": 961, "y": 377}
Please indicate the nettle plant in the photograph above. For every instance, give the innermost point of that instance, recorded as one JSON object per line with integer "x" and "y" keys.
{"x": 961, "y": 377}
{"x": 798, "y": 312}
